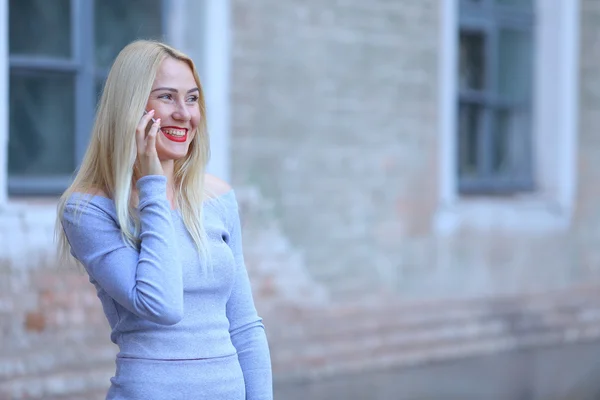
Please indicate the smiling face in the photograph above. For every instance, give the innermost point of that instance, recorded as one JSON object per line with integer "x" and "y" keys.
{"x": 174, "y": 98}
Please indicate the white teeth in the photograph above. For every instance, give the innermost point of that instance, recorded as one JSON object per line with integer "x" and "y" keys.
{"x": 174, "y": 132}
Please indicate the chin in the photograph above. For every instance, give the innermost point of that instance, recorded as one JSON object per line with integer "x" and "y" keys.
{"x": 172, "y": 151}
{"x": 171, "y": 156}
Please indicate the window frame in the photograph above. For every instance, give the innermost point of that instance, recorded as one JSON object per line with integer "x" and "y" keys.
{"x": 209, "y": 47}
{"x": 82, "y": 67}
{"x": 489, "y": 19}
{"x": 550, "y": 206}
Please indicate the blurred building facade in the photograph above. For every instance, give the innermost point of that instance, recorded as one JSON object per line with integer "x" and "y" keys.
{"x": 417, "y": 178}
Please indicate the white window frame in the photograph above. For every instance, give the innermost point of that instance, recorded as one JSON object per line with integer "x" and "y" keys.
{"x": 550, "y": 206}
{"x": 210, "y": 50}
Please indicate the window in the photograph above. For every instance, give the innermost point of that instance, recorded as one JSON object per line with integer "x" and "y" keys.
{"x": 520, "y": 59}
{"x": 59, "y": 53}
{"x": 495, "y": 96}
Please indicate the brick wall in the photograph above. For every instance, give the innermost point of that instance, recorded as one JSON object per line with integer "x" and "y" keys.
{"x": 55, "y": 345}
{"x": 334, "y": 119}
{"x": 53, "y": 334}
{"x": 334, "y": 157}
{"x": 336, "y": 124}
{"x": 313, "y": 335}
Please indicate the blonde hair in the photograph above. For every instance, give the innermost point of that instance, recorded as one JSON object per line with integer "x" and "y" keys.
{"x": 109, "y": 163}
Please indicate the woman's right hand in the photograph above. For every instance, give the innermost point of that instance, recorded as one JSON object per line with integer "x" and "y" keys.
{"x": 146, "y": 146}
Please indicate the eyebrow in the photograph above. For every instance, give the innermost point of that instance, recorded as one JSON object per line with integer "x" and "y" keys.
{"x": 174, "y": 90}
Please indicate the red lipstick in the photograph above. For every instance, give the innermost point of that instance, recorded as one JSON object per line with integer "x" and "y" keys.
{"x": 175, "y": 133}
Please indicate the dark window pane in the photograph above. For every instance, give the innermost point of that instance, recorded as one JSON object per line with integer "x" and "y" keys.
{"x": 40, "y": 27}
{"x": 526, "y": 4}
{"x": 511, "y": 155}
{"x": 515, "y": 57}
{"x": 469, "y": 126}
{"x": 119, "y": 22}
{"x": 495, "y": 82}
{"x": 41, "y": 139}
{"x": 468, "y": 3}
{"x": 472, "y": 66}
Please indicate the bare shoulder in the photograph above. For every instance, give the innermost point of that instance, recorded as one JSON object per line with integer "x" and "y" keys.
{"x": 216, "y": 186}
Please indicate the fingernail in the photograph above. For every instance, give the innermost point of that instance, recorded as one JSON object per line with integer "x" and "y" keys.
{"x": 151, "y": 112}
{"x": 158, "y": 121}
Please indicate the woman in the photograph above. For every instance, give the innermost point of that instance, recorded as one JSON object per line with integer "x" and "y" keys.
{"x": 161, "y": 242}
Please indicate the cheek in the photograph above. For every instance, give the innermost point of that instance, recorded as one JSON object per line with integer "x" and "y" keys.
{"x": 150, "y": 105}
{"x": 196, "y": 118}
{"x": 159, "y": 109}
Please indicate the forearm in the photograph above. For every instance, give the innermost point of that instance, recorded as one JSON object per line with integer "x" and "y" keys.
{"x": 147, "y": 282}
{"x": 255, "y": 361}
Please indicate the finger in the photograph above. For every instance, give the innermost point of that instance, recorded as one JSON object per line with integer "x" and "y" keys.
{"x": 151, "y": 139}
{"x": 146, "y": 118}
{"x": 141, "y": 128}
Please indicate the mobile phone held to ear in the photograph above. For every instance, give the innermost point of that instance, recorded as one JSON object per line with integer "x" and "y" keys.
{"x": 152, "y": 121}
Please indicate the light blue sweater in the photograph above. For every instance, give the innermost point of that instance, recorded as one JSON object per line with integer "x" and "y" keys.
{"x": 159, "y": 301}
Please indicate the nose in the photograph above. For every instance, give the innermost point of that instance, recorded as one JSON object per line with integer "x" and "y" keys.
{"x": 181, "y": 113}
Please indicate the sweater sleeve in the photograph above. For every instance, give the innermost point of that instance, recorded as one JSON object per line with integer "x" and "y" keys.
{"x": 147, "y": 282}
{"x": 245, "y": 326}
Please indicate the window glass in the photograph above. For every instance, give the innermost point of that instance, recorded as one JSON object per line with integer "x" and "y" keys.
{"x": 469, "y": 123}
{"x": 40, "y": 28}
{"x": 495, "y": 83}
{"x": 42, "y": 134}
{"x": 472, "y": 60}
{"x": 44, "y": 110}
{"x": 527, "y": 4}
{"x": 118, "y": 22}
{"x": 515, "y": 64}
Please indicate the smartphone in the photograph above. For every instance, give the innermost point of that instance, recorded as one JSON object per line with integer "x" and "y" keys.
{"x": 149, "y": 123}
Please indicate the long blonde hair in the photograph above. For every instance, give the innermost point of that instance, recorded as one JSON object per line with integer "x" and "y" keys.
{"x": 109, "y": 163}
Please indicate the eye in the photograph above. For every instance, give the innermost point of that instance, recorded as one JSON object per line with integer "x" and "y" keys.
{"x": 193, "y": 99}
{"x": 166, "y": 96}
